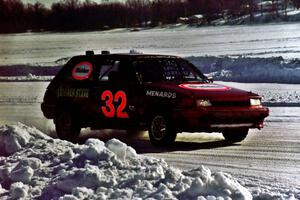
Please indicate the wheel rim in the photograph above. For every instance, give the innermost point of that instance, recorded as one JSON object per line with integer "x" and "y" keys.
{"x": 158, "y": 128}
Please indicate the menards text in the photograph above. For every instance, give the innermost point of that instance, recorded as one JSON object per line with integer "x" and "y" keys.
{"x": 162, "y": 94}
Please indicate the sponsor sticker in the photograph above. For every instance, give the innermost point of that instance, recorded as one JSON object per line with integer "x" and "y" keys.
{"x": 73, "y": 92}
{"x": 163, "y": 94}
{"x": 204, "y": 87}
{"x": 82, "y": 71}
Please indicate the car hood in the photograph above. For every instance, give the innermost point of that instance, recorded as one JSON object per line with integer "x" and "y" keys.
{"x": 212, "y": 91}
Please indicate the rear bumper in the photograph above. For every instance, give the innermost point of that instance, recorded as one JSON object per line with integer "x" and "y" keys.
{"x": 220, "y": 118}
{"x": 48, "y": 110}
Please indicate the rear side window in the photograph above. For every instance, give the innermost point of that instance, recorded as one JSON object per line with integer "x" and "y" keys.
{"x": 148, "y": 70}
{"x": 82, "y": 71}
{"x": 108, "y": 68}
{"x": 77, "y": 70}
{"x": 117, "y": 71}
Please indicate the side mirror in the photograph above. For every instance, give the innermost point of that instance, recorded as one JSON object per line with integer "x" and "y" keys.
{"x": 210, "y": 79}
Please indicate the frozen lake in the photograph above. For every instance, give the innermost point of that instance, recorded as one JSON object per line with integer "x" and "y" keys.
{"x": 260, "y": 162}
{"x": 254, "y": 41}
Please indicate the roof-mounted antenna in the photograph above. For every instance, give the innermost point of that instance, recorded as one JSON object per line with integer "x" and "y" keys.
{"x": 133, "y": 51}
{"x": 105, "y": 52}
{"x": 89, "y": 53}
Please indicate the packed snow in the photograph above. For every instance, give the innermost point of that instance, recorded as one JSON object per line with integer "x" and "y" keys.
{"x": 272, "y": 94}
{"x": 29, "y": 77}
{"x": 228, "y": 68}
{"x": 247, "y": 69}
{"x": 34, "y": 165}
{"x": 290, "y": 15}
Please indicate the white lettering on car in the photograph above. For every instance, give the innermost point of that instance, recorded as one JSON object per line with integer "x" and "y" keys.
{"x": 162, "y": 94}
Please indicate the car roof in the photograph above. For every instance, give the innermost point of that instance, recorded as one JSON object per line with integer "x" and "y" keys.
{"x": 127, "y": 55}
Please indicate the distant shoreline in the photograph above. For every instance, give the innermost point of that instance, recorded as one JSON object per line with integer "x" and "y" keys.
{"x": 166, "y": 26}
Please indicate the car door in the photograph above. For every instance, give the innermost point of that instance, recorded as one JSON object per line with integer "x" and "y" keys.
{"x": 114, "y": 94}
{"x": 75, "y": 81}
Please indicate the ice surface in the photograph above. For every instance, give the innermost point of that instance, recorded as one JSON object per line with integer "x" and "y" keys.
{"x": 269, "y": 40}
{"x": 47, "y": 168}
{"x": 256, "y": 53}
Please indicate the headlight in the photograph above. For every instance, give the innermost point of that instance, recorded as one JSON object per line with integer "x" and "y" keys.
{"x": 255, "y": 102}
{"x": 203, "y": 103}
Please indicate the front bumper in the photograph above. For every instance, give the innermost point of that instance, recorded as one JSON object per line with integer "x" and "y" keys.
{"x": 220, "y": 118}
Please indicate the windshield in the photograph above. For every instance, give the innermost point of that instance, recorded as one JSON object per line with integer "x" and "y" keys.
{"x": 190, "y": 73}
{"x": 174, "y": 70}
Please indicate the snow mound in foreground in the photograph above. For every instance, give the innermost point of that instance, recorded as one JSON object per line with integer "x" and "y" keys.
{"x": 33, "y": 165}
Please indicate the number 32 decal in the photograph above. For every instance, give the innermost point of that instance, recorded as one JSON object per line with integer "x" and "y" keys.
{"x": 109, "y": 109}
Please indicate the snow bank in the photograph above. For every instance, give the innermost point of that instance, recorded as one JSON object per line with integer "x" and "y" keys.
{"x": 248, "y": 69}
{"x": 33, "y": 165}
{"x": 291, "y": 15}
{"x": 272, "y": 94}
{"x": 237, "y": 68}
{"x": 29, "y": 77}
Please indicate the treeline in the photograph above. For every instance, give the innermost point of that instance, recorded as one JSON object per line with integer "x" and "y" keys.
{"x": 72, "y": 15}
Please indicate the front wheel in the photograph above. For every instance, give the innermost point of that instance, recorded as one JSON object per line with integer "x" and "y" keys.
{"x": 161, "y": 132}
{"x": 235, "y": 135}
{"x": 66, "y": 127}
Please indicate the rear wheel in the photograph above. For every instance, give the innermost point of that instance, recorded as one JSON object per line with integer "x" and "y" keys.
{"x": 66, "y": 127}
{"x": 161, "y": 132}
{"x": 235, "y": 135}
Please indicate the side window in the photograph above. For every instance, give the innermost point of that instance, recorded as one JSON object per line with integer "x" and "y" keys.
{"x": 155, "y": 70}
{"x": 128, "y": 72}
{"x": 148, "y": 70}
{"x": 171, "y": 70}
{"x": 117, "y": 71}
{"x": 109, "y": 70}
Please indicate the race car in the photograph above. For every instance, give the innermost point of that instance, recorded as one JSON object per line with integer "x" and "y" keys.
{"x": 163, "y": 94}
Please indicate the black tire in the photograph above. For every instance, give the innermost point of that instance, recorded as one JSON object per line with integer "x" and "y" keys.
{"x": 161, "y": 131}
{"x": 66, "y": 127}
{"x": 235, "y": 135}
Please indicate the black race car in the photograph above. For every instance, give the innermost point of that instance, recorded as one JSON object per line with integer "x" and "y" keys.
{"x": 165, "y": 95}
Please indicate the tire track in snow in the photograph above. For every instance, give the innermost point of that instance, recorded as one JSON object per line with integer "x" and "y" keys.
{"x": 271, "y": 154}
